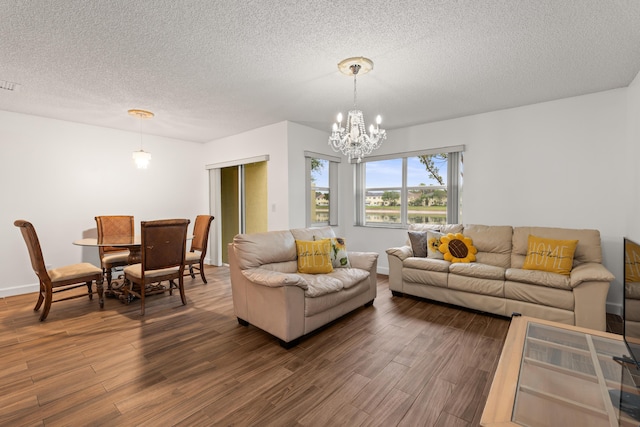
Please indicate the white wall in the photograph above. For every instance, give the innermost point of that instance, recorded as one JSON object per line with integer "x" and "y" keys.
{"x": 59, "y": 175}
{"x": 553, "y": 164}
{"x": 632, "y": 161}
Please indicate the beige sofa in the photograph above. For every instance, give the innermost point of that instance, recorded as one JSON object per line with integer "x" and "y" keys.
{"x": 496, "y": 282}
{"x": 269, "y": 293}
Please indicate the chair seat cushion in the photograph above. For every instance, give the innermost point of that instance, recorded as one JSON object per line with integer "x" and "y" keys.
{"x": 73, "y": 271}
{"x": 135, "y": 270}
{"x": 115, "y": 257}
{"x": 192, "y": 257}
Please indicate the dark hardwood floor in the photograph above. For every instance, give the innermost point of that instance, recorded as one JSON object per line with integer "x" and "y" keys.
{"x": 404, "y": 362}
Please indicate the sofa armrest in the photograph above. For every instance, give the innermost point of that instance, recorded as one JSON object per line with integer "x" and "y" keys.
{"x": 402, "y": 252}
{"x": 273, "y": 279}
{"x": 590, "y": 272}
{"x": 362, "y": 260}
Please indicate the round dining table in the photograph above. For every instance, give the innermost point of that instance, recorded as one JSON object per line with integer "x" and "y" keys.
{"x": 132, "y": 243}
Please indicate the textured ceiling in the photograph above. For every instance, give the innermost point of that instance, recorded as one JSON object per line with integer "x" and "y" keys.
{"x": 210, "y": 69}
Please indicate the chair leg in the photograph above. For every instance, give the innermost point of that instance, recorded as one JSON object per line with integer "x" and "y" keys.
{"x": 142, "y": 286}
{"x": 181, "y": 287}
{"x": 40, "y": 297}
{"x": 193, "y": 275}
{"x": 204, "y": 279}
{"x": 108, "y": 274}
{"x": 90, "y": 290}
{"x": 48, "y": 298}
{"x": 100, "y": 289}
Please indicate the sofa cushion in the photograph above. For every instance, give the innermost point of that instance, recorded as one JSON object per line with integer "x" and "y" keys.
{"x": 273, "y": 279}
{"x": 457, "y": 248}
{"x": 314, "y": 257}
{"x": 476, "y": 285}
{"x": 316, "y": 233}
{"x": 427, "y": 264}
{"x": 424, "y": 277}
{"x": 339, "y": 255}
{"x": 483, "y": 271}
{"x": 330, "y": 301}
{"x": 282, "y": 267}
{"x": 442, "y": 228}
{"x": 541, "y": 295}
{"x": 256, "y": 249}
{"x": 588, "y": 249}
{"x": 322, "y": 284}
{"x": 493, "y": 243}
{"x": 418, "y": 240}
{"x": 554, "y": 256}
{"x": 540, "y": 278}
{"x": 434, "y": 240}
{"x": 350, "y": 276}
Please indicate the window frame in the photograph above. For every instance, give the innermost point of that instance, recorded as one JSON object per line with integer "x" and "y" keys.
{"x": 453, "y": 187}
{"x": 332, "y": 187}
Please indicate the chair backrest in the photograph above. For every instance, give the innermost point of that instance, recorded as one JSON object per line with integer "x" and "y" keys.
{"x": 113, "y": 225}
{"x": 163, "y": 243}
{"x": 33, "y": 245}
{"x": 201, "y": 233}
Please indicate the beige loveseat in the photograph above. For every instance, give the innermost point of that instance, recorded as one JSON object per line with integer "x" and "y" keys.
{"x": 496, "y": 282}
{"x": 270, "y": 294}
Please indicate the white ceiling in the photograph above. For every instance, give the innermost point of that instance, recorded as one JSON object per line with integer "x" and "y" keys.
{"x": 213, "y": 68}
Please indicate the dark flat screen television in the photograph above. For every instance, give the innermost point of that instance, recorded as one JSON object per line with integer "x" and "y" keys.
{"x": 631, "y": 302}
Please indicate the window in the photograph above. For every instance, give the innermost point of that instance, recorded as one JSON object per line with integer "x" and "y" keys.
{"x": 416, "y": 187}
{"x": 322, "y": 193}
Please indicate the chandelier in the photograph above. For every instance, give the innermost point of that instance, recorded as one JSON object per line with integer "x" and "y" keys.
{"x": 352, "y": 140}
{"x": 141, "y": 157}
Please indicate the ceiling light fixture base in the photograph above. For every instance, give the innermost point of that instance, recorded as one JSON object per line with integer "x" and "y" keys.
{"x": 360, "y": 64}
{"x": 141, "y": 114}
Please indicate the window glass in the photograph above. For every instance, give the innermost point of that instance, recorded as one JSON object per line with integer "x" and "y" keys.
{"x": 319, "y": 209}
{"x": 383, "y": 196}
{"x": 409, "y": 190}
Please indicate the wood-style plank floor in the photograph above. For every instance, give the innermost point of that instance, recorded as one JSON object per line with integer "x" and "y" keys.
{"x": 402, "y": 362}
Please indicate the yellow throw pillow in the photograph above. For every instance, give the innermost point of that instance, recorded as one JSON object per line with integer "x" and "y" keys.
{"x": 554, "y": 256}
{"x": 457, "y": 248}
{"x": 314, "y": 257}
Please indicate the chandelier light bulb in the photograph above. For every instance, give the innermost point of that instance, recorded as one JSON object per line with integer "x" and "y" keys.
{"x": 339, "y": 117}
{"x": 378, "y": 119}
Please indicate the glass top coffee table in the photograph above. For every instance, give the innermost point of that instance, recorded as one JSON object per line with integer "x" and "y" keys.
{"x": 551, "y": 374}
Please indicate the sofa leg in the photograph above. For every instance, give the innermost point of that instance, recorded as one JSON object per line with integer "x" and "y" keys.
{"x": 288, "y": 344}
{"x": 369, "y": 304}
{"x": 397, "y": 294}
{"x": 243, "y": 322}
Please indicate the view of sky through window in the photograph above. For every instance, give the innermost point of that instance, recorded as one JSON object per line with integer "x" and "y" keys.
{"x": 388, "y": 173}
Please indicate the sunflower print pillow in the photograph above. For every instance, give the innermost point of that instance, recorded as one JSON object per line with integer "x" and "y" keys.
{"x": 458, "y": 248}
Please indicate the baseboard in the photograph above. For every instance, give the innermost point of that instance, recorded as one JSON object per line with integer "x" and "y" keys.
{"x": 19, "y": 290}
{"x": 614, "y": 308}
{"x": 383, "y": 270}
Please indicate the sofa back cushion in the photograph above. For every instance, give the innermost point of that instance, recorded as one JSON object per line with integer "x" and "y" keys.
{"x": 256, "y": 249}
{"x": 316, "y": 233}
{"x": 493, "y": 243}
{"x": 441, "y": 228}
{"x": 588, "y": 249}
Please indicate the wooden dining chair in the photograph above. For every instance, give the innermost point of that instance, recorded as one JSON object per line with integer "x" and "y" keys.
{"x": 58, "y": 279}
{"x": 195, "y": 257}
{"x": 163, "y": 247}
{"x": 112, "y": 257}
